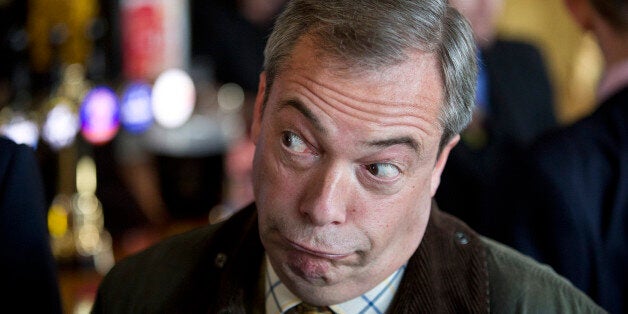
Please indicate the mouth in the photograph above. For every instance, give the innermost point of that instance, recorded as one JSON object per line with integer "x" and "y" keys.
{"x": 316, "y": 253}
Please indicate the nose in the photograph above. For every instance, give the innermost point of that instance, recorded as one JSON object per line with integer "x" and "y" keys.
{"x": 327, "y": 196}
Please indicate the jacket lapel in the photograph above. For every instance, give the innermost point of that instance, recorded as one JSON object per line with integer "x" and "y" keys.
{"x": 447, "y": 274}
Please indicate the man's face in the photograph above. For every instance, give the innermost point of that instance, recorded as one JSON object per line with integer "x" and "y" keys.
{"x": 344, "y": 171}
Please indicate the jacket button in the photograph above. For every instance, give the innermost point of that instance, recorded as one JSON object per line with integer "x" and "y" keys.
{"x": 461, "y": 238}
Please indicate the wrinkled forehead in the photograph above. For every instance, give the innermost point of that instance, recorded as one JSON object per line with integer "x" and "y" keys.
{"x": 406, "y": 88}
{"x": 414, "y": 64}
{"x": 414, "y": 80}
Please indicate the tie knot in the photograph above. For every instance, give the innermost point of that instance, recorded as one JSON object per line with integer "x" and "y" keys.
{"x": 304, "y": 308}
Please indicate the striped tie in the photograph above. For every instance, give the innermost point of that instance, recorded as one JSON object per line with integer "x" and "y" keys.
{"x": 304, "y": 308}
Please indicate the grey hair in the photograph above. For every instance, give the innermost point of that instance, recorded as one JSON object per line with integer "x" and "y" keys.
{"x": 371, "y": 34}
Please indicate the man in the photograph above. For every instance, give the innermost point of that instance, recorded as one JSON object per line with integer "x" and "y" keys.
{"x": 358, "y": 106}
{"x": 576, "y": 221}
{"x": 514, "y": 104}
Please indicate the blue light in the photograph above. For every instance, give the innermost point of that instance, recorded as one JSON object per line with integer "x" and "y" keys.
{"x": 136, "y": 113}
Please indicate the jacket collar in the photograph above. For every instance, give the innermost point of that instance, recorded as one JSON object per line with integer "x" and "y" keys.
{"x": 447, "y": 273}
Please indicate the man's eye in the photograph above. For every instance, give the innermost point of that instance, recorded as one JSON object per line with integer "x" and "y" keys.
{"x": 293, "y": 142}
{"x": 383, "y": 170}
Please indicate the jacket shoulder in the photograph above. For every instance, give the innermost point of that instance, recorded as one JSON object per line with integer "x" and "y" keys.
{"x": 181, "y": 274}
{"x": 150, "y": 279}
{"x": 519, "y": 284}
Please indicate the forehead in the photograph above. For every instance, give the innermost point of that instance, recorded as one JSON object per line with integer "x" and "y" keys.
{"x": 409, "y": 93}
{"x": 418, "y": 67}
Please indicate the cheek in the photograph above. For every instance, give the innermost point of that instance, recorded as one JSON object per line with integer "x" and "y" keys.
{"x": 399, "y": 222}
{"x": 274, "y": 187}
{"x": 393, "y": 220}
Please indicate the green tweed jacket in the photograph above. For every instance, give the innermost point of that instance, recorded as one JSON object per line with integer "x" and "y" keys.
{"x": 216, "y": 269}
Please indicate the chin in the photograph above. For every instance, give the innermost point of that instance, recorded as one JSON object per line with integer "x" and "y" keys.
{"x": 318, "y": 283}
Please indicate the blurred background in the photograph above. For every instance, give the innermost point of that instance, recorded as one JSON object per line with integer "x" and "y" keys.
{"x": 138, "y": 111}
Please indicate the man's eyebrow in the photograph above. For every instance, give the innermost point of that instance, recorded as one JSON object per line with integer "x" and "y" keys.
{"x": 307, "y": 113}
{"x": 404, "y": 140}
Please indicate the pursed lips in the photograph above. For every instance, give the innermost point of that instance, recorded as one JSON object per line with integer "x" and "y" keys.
{"x": 320, "y": 254}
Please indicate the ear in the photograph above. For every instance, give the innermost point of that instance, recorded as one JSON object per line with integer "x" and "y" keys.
{"x": 440, "y": 164}
{"x": 581, "y": 12}
{"x": 258, "y": 107}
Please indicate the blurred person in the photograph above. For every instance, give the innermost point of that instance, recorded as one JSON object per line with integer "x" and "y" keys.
{"x": 358, "y": 107}
{"x": 238, "y": 180}
{"x": 575, "y": 203}
{"x": 230, "y": 35}
{"x": 28, "y": 270}
{"x": 514, "y": 104}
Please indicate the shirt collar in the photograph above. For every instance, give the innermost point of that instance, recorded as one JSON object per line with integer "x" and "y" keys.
{"x": 614, "y": 79}
{"x": 279, "y": 299}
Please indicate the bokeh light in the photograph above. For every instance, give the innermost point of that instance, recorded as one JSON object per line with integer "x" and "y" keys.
{"x": 230, "y": 97}
{"x": 100, "y": 115}
{"x": 136, "y": 113}
{"x": 61, "y": 125}
{"x": 21, "y": 130}
{"x": 173, "y": 98}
